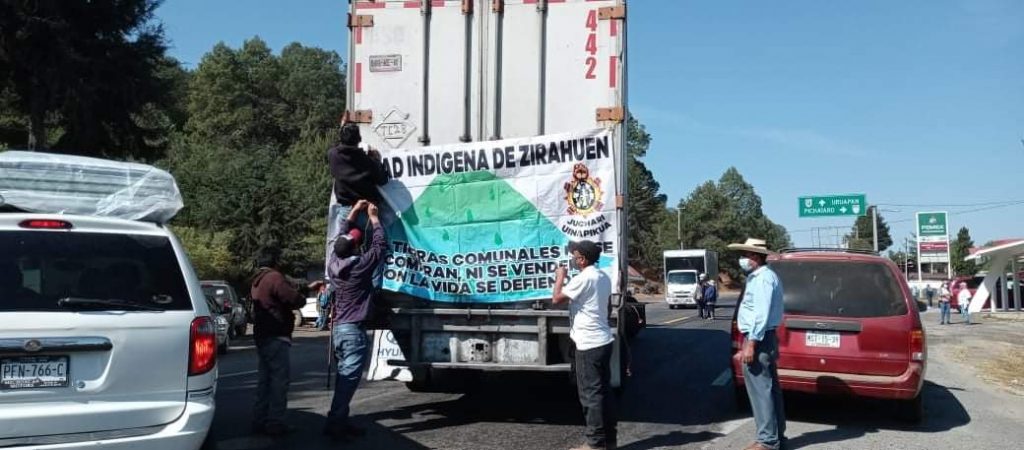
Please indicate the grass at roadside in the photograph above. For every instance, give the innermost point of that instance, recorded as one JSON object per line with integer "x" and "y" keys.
{"x": 1006, "y": 367}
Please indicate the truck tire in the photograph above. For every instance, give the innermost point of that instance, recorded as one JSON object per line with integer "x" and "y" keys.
{"x": 241, "y": 330}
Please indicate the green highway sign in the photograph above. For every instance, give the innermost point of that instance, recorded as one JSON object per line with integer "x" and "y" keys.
{"x": 833, "y": 205}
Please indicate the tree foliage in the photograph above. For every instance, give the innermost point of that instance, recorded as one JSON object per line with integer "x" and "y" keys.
{"x": 717, "y": 214}
{"x": 861, "y": 236}
{"x": 959, "y": 249}
{"x": 252, "y": 158}
{"x": 85, "y": 78}
{"x": 646, "y": 206}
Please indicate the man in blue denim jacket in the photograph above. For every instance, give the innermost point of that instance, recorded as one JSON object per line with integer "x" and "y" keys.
{"x": 352, "y": 280}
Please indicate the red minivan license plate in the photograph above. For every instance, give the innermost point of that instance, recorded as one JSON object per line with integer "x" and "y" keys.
{"x": 822, "y": 339}
{"x": 30, "y": 372}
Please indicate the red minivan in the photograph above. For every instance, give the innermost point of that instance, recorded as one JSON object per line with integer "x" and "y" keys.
{"x": 850, "y": 327}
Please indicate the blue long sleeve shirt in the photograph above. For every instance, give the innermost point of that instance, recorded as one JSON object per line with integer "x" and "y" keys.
{"x": 710, "y": 293}
{"x": 761, "y": 307}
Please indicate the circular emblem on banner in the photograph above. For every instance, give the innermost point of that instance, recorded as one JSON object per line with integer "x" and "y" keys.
{"x": 583, "y": 193}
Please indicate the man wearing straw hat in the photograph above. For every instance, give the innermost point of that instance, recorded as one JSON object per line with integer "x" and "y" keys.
{"x": 758, "y": 314}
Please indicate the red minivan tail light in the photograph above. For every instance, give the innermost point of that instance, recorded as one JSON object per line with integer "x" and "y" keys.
{"x": 917, "y": 345}
{"x": 202, "y": 355}
{"x": 46, "y": 224}
{"x": 737, "y": 337}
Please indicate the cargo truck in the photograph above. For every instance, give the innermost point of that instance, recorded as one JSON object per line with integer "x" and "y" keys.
{"x": 431, "y": 79}
{"x": 679, "y": 265}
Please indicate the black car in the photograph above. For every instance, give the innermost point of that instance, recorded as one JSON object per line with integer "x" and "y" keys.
{"x": 229, "y": 304}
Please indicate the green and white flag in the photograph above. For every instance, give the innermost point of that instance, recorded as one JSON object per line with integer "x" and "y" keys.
{"x": 488, "y": 222}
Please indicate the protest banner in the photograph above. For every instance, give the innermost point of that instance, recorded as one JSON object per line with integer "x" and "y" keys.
{"x": 488, "y": 222}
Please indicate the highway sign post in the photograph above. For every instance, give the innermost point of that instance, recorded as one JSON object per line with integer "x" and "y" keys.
{"x": 833, "y": 205}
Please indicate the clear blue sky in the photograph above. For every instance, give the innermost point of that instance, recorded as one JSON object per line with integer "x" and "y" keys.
{"x": 914, "y": 102}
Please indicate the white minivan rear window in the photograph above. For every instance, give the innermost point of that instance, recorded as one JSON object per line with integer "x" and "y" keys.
{"x": 41, "y": 271}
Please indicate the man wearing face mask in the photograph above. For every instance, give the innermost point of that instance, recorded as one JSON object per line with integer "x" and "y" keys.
{"x": 759, "y": 314}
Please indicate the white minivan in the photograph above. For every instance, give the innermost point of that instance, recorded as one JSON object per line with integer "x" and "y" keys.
{"x": 105, "y": 338}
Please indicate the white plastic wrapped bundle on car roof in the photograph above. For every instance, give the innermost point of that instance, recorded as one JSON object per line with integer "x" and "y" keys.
{"x": 63, "y": 184}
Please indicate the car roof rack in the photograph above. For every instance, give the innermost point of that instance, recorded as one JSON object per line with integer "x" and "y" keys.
{"x": 828, "y": 250}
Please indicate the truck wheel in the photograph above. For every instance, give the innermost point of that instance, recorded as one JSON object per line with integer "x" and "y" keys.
{"x": 241, "y": 329}
{"x": 422, "y": 381}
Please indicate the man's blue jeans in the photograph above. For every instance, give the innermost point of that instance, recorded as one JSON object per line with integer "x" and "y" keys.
{"x": 966, "y": 312}
{"x": 272, "y": 388}
{"x": 944, "y": 312}
{"x": 350, "y": 351}
{"x": 762, "y": 380}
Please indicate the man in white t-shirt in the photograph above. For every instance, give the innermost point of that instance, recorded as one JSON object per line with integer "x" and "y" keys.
{"x": 588, "y": 294}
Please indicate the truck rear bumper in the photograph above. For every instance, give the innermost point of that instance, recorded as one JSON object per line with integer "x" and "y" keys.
{"x": 487, "y": 367}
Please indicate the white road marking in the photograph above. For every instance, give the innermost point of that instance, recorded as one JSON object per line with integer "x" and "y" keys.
{"x": 670, "y": 322}
{"x": 723, "y": 378}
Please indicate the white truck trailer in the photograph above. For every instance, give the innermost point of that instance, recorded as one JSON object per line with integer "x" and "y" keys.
{"x": 701, "y": 260}
{"x": 454, "y": 89}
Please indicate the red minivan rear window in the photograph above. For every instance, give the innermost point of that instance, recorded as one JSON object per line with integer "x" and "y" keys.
{"x": 840, "y": 289}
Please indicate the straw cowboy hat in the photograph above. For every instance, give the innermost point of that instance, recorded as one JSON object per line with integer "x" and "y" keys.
{"x": 752, "y": 245}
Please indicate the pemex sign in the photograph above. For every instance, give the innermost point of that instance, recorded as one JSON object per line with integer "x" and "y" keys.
{"x": 933, "y": 237}
{"x": 932, "y": 224}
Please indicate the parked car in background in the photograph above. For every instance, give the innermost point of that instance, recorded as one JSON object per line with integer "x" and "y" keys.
{"x": 230, "y": 305}
{"x": 222, "y": 325}
{"x": 308, "y": 313}
{"x": 972, "y": 285}
{"x": 850, "y": 328}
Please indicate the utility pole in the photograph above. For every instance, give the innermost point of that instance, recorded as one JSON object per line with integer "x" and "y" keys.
{"x": 679, "y": 227}
{"x": 874, "y": 225}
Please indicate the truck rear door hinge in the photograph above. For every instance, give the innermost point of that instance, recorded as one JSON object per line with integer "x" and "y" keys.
{"x": 498, "y": 6}
{"x": 612, "y": 12}
{"x": 467, "y": 6}
{"x": 611, "y": 114}
{"x": 359, "y": 116}
{"x": 360, "y": 21}
{"x": 620, "y": 201}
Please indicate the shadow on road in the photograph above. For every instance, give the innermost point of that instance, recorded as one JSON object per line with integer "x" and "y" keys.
{"x": 671, "y": 440}
{"x": 499, "y": 398}
{"x": 677, "y": 376}
{"x": 857, "y": 418}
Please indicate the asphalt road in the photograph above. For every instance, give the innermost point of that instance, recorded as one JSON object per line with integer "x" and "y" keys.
{"x": 680, "y": 396}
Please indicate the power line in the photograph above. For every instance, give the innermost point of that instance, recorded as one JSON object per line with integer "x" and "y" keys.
{"x": 951, "y": 205}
